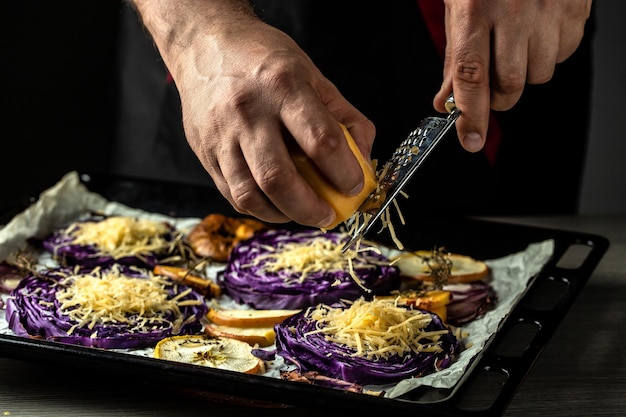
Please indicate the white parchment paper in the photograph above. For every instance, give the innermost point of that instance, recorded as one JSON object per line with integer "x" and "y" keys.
{"x": 69, "y": 199}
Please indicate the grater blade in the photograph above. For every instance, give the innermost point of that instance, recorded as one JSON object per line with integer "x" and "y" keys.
{"x": 404, "y": 162}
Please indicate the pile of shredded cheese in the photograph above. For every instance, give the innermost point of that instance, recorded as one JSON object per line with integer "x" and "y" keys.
{"x": 121, "y": 236}
{"x": 377, "y": 329}
{"x": 101, "y": 298}
{"x": 319, "y": 254}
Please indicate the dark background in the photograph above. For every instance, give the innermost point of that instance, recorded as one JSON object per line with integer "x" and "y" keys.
{"x": 57, "y": 90}
{"x": 604, "y": 180}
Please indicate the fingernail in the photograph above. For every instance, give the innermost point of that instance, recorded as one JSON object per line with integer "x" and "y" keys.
{"x": 356, "y": 190}
{"x": 473, "y": 142}
{"x": 330, "y": 219}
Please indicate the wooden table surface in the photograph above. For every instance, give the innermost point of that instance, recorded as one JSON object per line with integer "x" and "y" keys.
{"x": 581, "y": 372}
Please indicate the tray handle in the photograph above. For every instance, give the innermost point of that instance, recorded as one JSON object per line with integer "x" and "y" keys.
{"x": 504, "y": 364}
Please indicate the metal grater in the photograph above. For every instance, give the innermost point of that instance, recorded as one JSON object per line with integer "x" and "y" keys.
{"x": 404, "y": 162}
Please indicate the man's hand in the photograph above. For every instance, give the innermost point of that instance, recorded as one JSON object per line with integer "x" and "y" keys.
{"x": 248, "y": 92}
{"x": 495, "y": 47}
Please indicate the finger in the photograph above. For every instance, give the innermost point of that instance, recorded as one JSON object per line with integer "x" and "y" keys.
{"x": 571, "y": 36}
{"x": 276, "y": 175}
{"x": 222, "y": 186}
{"x": 318, "y": 133}
{"x": 468, "y": 57}
{"x": 240, "y": 188}
{"x": 573, "y": 30}
{"x": 509, "y": 64}
{"x": 543, "y": 49}
{"x": 446, "y": 85}
{"x": 442, "y": 95}
{"x": 211, "y": 165}
{"x": 360, "y": 127}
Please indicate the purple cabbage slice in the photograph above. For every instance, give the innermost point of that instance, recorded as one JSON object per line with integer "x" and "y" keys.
{"x": 66, "y": 246}
{"x": 469, "y": 301}
{"x": 46, "y": 305}
{"x": 249, "y": 277}
{"x": 302, "y": 340}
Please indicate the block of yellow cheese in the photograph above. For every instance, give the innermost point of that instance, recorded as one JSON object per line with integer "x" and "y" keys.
{"x": 345, "y": 206}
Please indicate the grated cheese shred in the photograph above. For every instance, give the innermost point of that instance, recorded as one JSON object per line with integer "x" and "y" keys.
{"x": 377, "y": 329}
{"x": 120, "y": 236}
{"x": 319, "y": 254}
{"x": 101, "y": 298}
{"x": 359, "y": 217}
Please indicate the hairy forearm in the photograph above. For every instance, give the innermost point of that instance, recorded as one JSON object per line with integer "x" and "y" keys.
{"x": 174, "y": 24}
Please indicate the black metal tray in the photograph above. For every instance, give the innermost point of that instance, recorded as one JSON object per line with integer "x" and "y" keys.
{"x": 486, "y": 388}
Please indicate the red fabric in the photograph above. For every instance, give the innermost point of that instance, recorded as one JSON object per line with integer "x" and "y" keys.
{"x": 433, "y": 12}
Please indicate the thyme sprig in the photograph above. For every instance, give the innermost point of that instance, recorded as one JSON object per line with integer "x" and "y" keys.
{"x": 24, "y": 261}
{"x": 439, "y": 265}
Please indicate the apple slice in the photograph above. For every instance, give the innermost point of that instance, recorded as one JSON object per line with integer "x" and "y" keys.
{"x": 248, "y": 318}
{"x": 213, "y": 352}
{"x": 435, "y": 301}
{"x": 261, "y": 336}
{"x": 464, "y": 268}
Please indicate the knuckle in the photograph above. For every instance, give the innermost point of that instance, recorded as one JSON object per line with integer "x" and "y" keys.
{"x": 245, "y": 197}
{"x": 238, "y": 99}
{"x": 471, "y": 70}
{"x": 324, "y": 143}
{"x": 272, "y": 180}
{"x": 279, "y": 73}
{"x": 280, "y": 77}
{"x": 510, "y": 83}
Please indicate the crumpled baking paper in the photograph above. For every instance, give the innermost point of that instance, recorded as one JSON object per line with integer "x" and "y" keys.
{"x": 69, "y": 199}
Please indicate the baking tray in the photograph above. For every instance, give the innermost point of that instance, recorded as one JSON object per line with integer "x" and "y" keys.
{"x": 487, "y": 386}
